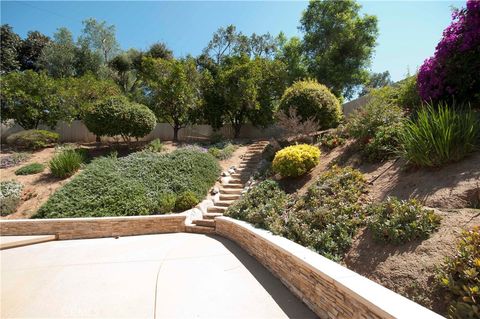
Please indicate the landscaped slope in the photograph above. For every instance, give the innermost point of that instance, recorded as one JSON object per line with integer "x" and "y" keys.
{"x": 134, "y": 185}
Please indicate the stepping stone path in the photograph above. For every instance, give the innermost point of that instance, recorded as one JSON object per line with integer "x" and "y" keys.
{"x": 230, "y": 190}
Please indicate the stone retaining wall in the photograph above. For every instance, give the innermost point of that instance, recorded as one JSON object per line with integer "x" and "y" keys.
{"x": 77, "y": 228}
{"x": 329, "y": 289}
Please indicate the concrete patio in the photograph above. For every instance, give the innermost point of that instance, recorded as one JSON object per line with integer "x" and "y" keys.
{"x": 177, "y": 275}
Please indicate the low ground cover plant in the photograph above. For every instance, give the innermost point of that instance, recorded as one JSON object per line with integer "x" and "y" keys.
{"x": 460, "y": 277}
{"x": 33, "y": 139}
{"x": 326, "y": 218}
{"x": 10, "y": 196}
{"x": 155, "y": 146}
{"x": 133, "y": 185}
{"x": 33, "y": 168}
{"x": 333, "y": 138}
{"x": 222, "y": 151}
{"x": 296, "y": 160}
{"x": 66, "y": 163}
{"x": 262, "y": 206}
{"x": 14, "y": 159}
{"x": 439, "y": 135}
{"x": 399, "y": 221}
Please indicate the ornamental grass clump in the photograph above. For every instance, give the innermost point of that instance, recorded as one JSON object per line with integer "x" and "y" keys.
{"x": 66, "y": 163}
{"x": 399, "y": 221}
{"x": 439, "y": 135}
{"x": 296, "y": 160}
{"x": 460, "y": 277}
{"x": 10, "y": 196}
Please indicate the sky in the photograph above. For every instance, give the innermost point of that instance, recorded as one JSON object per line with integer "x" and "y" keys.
{"x": 409, "y": 30}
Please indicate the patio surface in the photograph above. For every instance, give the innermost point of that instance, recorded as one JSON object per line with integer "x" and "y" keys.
{"x": 177, "y": 275}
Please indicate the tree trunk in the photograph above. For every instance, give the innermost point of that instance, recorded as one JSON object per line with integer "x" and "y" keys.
{"x": 236, "y": 128}
{"x": 176, "y": 128}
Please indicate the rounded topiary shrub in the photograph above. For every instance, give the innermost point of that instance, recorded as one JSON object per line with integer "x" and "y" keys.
{"x": 311, "y": 99}
{"x": 296, "y": 160}
{"x": 118, "y": 116}
{"x": 33, "y": 139}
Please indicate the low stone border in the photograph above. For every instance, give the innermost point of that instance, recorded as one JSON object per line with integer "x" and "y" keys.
{"x": 94, "y": 227}
{"x": 329, "y": 289}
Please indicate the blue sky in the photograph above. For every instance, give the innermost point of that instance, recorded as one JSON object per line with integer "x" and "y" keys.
{"x": 409, "y": 30}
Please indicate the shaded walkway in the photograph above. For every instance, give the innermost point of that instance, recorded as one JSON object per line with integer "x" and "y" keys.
{"x": 157, "y": 276}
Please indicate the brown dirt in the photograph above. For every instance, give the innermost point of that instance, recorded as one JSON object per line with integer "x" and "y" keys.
{"x": 409, "y": 269}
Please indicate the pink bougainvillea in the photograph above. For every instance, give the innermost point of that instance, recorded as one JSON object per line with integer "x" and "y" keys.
{"x": 453, "y": 73}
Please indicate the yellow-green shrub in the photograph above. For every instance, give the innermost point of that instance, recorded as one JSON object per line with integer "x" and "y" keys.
{"x": 296, "y": 160}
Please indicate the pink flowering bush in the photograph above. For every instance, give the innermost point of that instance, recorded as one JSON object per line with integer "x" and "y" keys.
{"x": 453, "y": 73}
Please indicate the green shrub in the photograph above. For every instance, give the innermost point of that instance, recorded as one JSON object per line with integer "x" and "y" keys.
{"x": 384, "y": 144}
{"x": 30, "y": 169}
{"x": 222, "y": 151}
{"x": 332, "y": 139}
{"x": 403, "y": 94}
{"x": 13, "y": 159}
{"x": 166, "y": 203}
{"x": 118, "y": 116}
{"x": 400, "y": 221}
{"x": 155, "y": 146}
{"x": 186, "y": 200}
{"x": 33, "y": 139}
{"x": 312, "y": 100}
{"x": 460, "y": 276}
{"x": 10, "y": 196}
{"x": 439, "y": 136}
{"x": 131, "y": 185}
{"x": 66, "y": 163}
{"x": 262, "y": 206}
{"x": 296, "y": 160}
{"x": 326, "y": 218}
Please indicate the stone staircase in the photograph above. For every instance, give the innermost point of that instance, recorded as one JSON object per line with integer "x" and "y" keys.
{"x": 231, "y": 189}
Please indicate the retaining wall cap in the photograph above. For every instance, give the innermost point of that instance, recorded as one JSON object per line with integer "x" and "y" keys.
{"x": 83, "y": 219}
{"x": 359, "y": 287}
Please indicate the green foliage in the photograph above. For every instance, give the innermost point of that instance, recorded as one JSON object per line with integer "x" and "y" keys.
{"x": 100, "y": 37}
{"x": 117, "y": 116}
{"x": 186, "y": 200}
{"x": 460, "y": 276}
{"x": 32, "y": 98}
{"x": 33, "y": 139}
{"x": 400, "y": 221}
{"x": 13, "y": 159}
{"x": 375, "y": 81}
{"x": 10, "y": 46}
{"x": 31, "y": 50}
{"x": 439, "y": 135}
{"x": 155, "y": 146}
{"x": 326, "y": 218}
{"x": 66, "y": 163}
{"x": 312, "y": 100}
{"x": 332, "y": 139}
{"x": 33, "y": 168}
{"x": 132, "y": 185}
{"x": 10, "y": 196}
{"x": 338, "y": 43}
{"x": 377, "y": 127}
{"x": 222, "y": 151}
{"x": 290, "y": 52}
{"x": 166, "y": 203}
{"x": 263, "y": 206}
{"x": 58, "y": 57}
{"x": 403, "y": 94}
{"x": 296, "y": 160}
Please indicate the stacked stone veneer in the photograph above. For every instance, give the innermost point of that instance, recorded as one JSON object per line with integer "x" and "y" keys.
{"x": 76, "y": 228}
{"x": 329, "y": 289}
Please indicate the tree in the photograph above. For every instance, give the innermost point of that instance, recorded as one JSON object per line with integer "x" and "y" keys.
{"x": 159, "y": 50}
{"x": 58, "y": 57}
{"x": 173, "y": 88}
{"x": 290, "y": 52}
{"x": 10, "y": 44}
{"x": 31, "y": 98}
{"x": 263, "y": 45}
{"x": 338, "y": 43}
{"x": 31, "y": 50}
{"x": 100, "y": 38}
{"x": 86, "y": 61}
{"x": 225, "y": 42}
{"x": 127, "y": 67}
{"x": 375, "y": 81}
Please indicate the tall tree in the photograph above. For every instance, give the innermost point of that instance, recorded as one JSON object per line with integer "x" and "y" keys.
{"x": 127, "y": 67}
{"x": 160, "y": 50}
{"x": 86, "y": 61}
{"x": 58, "y": 57}
{"x": 101, "y": 38}
{"x": 10, "y": 45}
{"x": 290, "y": 52}
{"x": 31, "y": 50}
{"x": 173, "y": 90}
{"x": 338, "y": 43}
{"x": 225, "y": 42}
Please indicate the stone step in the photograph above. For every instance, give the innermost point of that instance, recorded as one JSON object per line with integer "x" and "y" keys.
{"x": 223, "y": 203}
{"x": 216, "y": 209}
{"x": 204, "y": 222}
{"x": 211, "y": 216}
{"x": 240, "y": 186}
{"x": 199, "y": 229}
{"x": 230, "y": 196}
{"x": 231, "y": 190}
{"x": 237, "y": 180}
